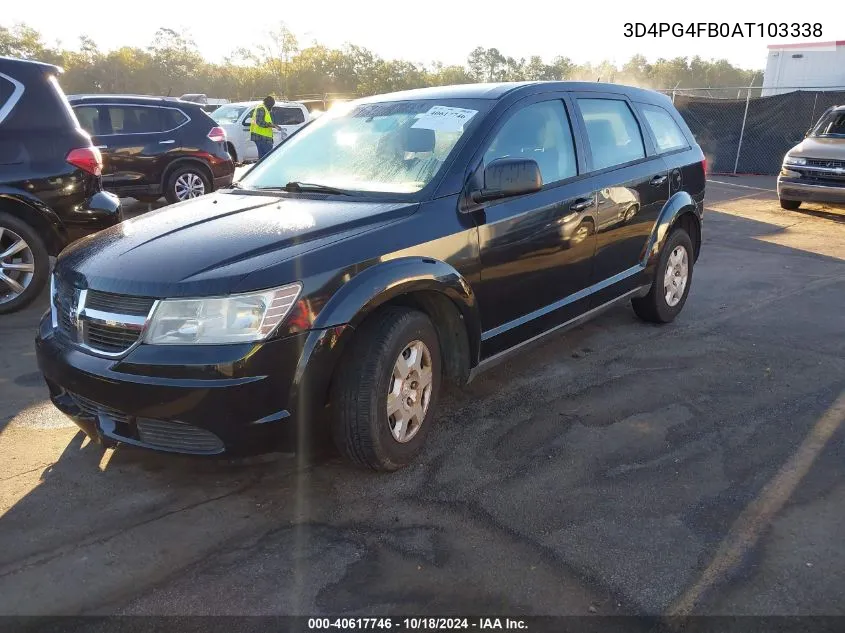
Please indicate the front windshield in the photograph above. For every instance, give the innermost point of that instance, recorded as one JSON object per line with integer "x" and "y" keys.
{"x": 389, "y": 147}
{"x": 228, "y": 113}
{"x": 831, "y": 124}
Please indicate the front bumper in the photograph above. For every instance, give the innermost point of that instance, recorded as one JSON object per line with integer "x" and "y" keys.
{"x": 233, "y": 399}
{"x": 803, "y": 190}
{"x": 98, "y": 212}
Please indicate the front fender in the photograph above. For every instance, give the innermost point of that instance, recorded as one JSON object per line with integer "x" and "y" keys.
{"x": 679, "y": 204}
{"x": 380, "y": 283}
{"x": 334, "y": 326}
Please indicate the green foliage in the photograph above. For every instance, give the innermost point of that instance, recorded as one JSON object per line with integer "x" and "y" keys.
{"x": 172, "y": 65}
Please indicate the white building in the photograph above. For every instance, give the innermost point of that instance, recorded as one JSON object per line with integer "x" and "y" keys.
{"x": 810, "y": 66}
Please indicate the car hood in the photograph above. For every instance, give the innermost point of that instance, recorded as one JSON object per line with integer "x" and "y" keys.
{"x": 817, "y": 147}
{"x": 208, "y": 245}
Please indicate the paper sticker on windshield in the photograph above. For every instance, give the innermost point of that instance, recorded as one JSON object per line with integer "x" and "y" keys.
{"x": 444, "y": 119}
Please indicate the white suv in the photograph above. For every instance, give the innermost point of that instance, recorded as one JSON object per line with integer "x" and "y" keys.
{"x": 236, "y": 117}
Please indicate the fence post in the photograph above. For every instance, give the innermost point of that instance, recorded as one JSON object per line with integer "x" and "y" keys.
{"x": 742, "y": 129}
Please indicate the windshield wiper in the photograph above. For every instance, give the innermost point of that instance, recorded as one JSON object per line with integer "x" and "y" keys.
{"x": 295, "y": 186}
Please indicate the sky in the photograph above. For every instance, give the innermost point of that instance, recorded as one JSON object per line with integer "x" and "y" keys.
{"x": 429, "y": 31}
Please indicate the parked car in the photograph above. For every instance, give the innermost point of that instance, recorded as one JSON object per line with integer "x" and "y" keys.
{"x": 154, "y": 146}
{"x": 50, "y": 187}
{"x": 235, "y": 119}
{"x": 814, "y": 170}
{"x": 386, "y": 248}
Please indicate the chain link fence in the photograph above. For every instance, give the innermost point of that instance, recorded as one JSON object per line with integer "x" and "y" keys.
{"x": 744, "y": 133}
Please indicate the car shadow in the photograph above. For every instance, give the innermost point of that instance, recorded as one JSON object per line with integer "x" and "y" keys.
{"x": 529, "y": 467}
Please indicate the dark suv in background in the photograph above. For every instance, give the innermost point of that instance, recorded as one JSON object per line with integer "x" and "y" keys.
{"x": 154, "y": 147}
{"x": 50, "y": 185}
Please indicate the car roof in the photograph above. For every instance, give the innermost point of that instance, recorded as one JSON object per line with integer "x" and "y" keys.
{"x": 499, "y": 90}
{"x": 134, "y": 99}
{"x": 255, "y": 103}
{"x": 13, "y": 63}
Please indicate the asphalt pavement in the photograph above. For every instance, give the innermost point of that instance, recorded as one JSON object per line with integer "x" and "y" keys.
{"x": 621, "y": 468}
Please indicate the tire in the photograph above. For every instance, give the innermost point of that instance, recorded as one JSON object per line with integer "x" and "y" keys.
{"x": 231, "y": 149}
{"x": 190, "y": 175}
{"x": 147, "y": 199}
{"x": 790, "y": 205}
{"x": 655, "y": 307}
{"x": 26, "y": 269}
{"x": 361, "y": 427}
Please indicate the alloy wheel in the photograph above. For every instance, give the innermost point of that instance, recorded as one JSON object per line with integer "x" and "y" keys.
{"x": 189, "y": 185}
{"x": 17, "y": 265}
{"x": 676, "y": 277}
{"x": 409, "y": 393}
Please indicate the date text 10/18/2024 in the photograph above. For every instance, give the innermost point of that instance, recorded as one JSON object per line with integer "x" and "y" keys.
{"x": 417, "y": 624}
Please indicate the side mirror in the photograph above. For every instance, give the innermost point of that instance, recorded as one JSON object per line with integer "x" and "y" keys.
{"x": 507, "y": 177}
{"x": 247, "y": 122}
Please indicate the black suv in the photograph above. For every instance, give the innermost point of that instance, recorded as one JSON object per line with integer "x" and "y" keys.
{"x": 50, "y": 186}
{"x": 409, "y": 239}
{"x": 154, "y": 147}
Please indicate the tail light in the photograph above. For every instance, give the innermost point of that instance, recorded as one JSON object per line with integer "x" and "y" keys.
{"x": 87, "y": 159}
{"x": 217, "y": 134}
{"x": 704, "y": 165}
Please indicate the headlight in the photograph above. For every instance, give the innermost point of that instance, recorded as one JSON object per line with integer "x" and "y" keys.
{"x": 217, "y": 320}
{"x": 794, "y": 160}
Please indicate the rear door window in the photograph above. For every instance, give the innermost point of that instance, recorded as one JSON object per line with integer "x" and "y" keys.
{"x": 612, "y": 131}
{"x": 287, "y": 116}
{"x": 172, "y": 118}
{"x": 667, "y": 134}
{"x": 134, "y": 119}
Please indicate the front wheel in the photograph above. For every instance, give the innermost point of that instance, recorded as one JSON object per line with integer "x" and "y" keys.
{"x": 386, "y": 389}
{"x": 672, "y": 281}
{"x": 24, "y": 264}
{"x": 186, "y": 183}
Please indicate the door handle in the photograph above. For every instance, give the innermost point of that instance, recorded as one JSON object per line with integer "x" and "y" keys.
{"x": 582, "y": 203}
{"x": 657, "y": 181}
{"x": 168, "y": 142}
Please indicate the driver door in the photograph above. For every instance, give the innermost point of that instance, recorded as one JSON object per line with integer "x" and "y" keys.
{"x": 536, "y": 249}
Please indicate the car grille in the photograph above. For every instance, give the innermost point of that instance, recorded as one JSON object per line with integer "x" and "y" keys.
{"x": 122, "y": 312}
{"x": 118, "y": 304}
{"x": 94, "y": 410}
{"x": 178, "y": 437}
{"x": 824, "y": 162}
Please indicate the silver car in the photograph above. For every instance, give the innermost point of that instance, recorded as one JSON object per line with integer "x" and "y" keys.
{"x": 814, "y": 170}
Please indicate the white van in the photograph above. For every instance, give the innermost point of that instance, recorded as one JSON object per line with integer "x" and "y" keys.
{"x": 235, "y": 118}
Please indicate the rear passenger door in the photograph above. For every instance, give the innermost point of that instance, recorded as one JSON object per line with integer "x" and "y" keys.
{"x": 632, "y": 185}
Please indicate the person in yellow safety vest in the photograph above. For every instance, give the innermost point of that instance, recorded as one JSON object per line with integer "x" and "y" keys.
{"x": 262, "y": 126}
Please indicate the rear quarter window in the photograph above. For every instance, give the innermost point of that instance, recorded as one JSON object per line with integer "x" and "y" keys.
{"x": 667, "y": 134}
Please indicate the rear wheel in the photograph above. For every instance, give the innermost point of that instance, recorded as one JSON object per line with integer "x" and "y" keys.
{"x": 186, "y": 183}
{"x": 231, "y": 149}
{"x": 386, "y": 389}
{"x": 672, "y": 281}
{"x": 790, "y": 205}
{"x": 24, "y": 264}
